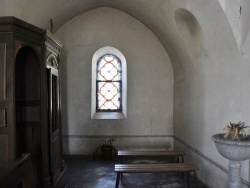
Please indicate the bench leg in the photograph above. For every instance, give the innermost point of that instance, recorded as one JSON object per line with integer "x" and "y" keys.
{"x": 182, "y": 161}
{"x": 182, "y": 174}
{"x": 195, "y": 177}
{"x": 117, "y": 180}
{"x": 188, "y": 182}
{"x": 121, "y": 163}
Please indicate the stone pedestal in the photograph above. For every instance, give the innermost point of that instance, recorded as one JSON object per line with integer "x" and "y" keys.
{"x": 235, "y": 151}
{"x": 234, "y": 174}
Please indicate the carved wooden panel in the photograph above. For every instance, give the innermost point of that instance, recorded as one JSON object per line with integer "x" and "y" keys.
{"x": 4, "y": 149}
{"x": 2, "y": 71}
{"x": 3, "y": 118}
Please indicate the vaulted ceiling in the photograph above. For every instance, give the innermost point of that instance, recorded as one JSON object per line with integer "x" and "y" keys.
{"x": 158, "y": 15}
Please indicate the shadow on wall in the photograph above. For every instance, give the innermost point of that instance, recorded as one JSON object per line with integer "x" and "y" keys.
{"x": 192, "y": 36}
{"x": 189, "y": 92}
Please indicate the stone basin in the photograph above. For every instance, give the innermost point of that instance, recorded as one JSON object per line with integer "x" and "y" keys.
{"x": 234, "y": 150}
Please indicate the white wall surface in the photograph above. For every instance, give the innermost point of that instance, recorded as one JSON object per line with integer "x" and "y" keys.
{"x": 208, "y": 94}
{"x": 238, "y": 14}
{"x": 149, "y": 82}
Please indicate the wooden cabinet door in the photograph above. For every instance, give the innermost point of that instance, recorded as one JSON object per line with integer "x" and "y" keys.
{"x": 5, "y": 131}
{"x": 55, "y": 149}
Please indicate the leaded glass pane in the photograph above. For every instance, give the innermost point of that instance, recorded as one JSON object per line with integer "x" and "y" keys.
{"x": 109, "y": 68}
{"x": 109, "y": 83}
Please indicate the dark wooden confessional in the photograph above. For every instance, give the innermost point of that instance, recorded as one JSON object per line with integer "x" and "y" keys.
{"x": 30, "y": 100}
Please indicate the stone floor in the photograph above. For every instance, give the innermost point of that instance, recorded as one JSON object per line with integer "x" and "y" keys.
{"x": 85, "y": 172}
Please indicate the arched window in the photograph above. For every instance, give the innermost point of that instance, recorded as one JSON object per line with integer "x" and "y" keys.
{"x": 109, "y": 84}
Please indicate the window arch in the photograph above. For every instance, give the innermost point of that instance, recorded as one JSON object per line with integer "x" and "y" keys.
{"x": 109, "y": 84}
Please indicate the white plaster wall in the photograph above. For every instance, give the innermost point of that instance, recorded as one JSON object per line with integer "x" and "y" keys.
{"x": 237, "y": 13}
{"x": 150, "y": 79}
{"x": 245, "y": 86}
{"x": 233, "y": 12}
{"x": 245, "y": 24}
{"x": 208, "y": 98}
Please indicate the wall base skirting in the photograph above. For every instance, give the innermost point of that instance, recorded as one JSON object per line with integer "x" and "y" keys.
{"x": 87, "y": 144}
{"x": 114, "y": 136}
{"x": 246, "y": 183}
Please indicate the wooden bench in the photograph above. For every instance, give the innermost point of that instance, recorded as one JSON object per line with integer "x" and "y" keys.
{"x": 155, "y": 168}
{"x": 178, "y": 154}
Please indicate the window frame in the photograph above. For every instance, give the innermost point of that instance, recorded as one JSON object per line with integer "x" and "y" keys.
{"x": 96, "y": 114}
{"x": 109, "y": 81}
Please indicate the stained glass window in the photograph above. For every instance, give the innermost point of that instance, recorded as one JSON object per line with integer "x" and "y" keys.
{"x": 109, "y": 84}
